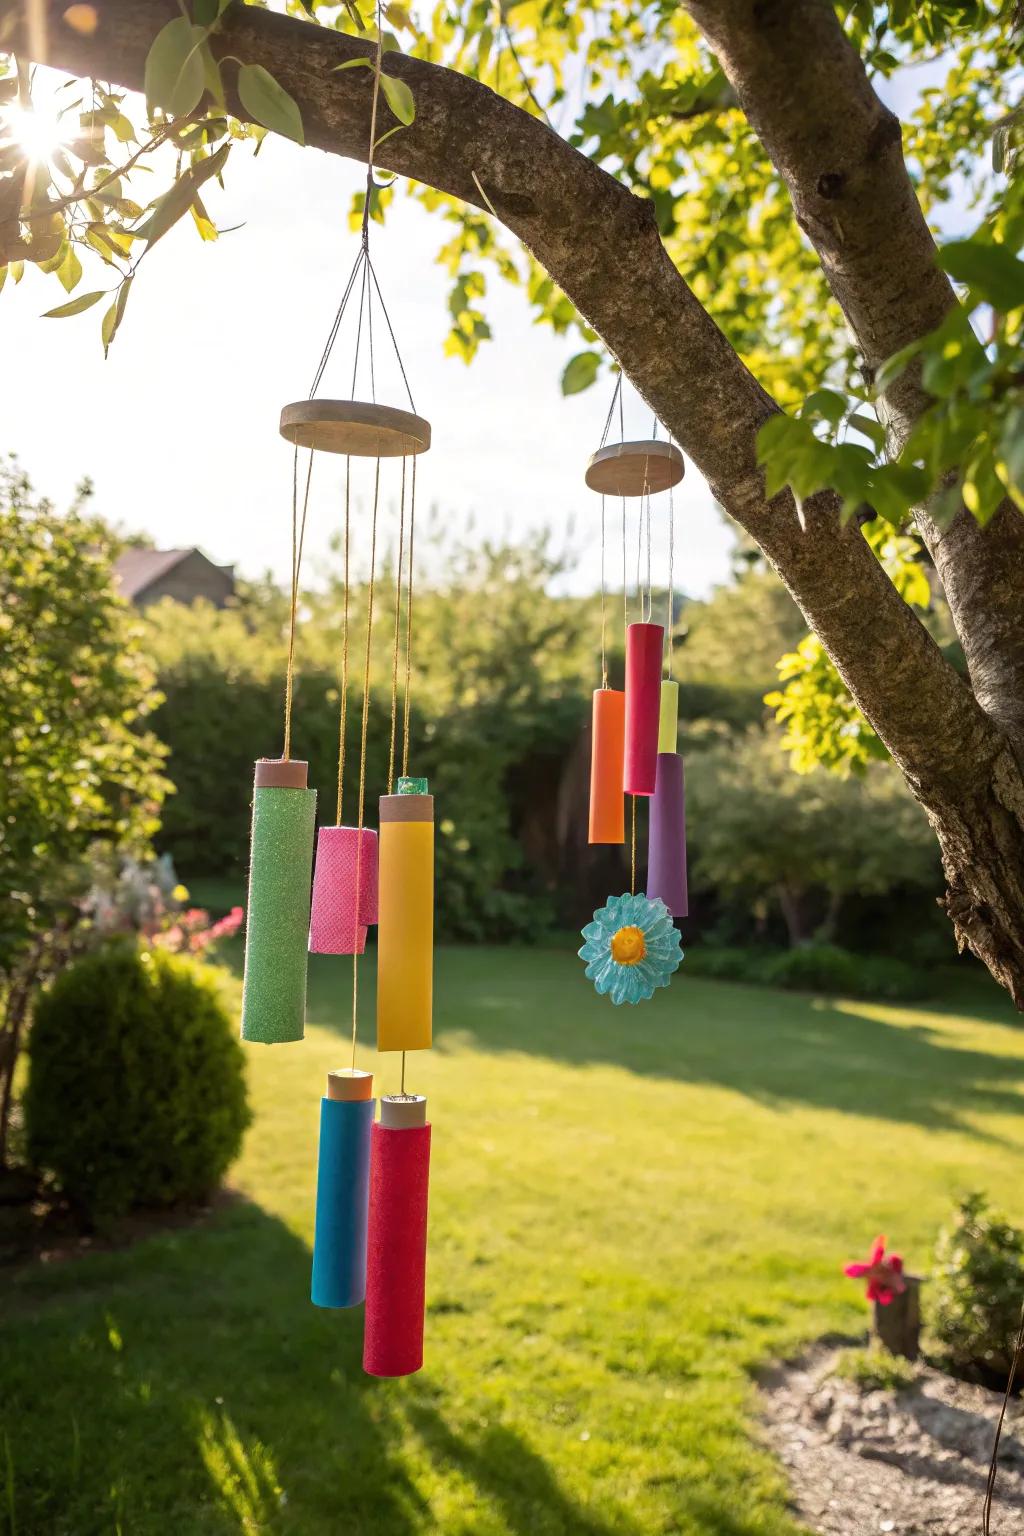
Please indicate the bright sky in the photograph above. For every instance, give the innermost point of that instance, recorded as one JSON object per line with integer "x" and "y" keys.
{"x": 178, "y": 429}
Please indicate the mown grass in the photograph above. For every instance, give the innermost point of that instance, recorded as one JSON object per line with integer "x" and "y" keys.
{"x": 631, "y": 1210}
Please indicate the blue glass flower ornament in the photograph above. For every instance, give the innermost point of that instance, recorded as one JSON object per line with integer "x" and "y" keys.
{"x": 632, "y": 948}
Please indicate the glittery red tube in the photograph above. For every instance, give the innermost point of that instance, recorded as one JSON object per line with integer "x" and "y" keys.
{"x": 396, "y": 1257}
{"x": 644, "y": 643}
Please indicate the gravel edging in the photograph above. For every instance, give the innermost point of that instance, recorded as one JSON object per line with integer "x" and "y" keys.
{"x": 906, "y": 1463}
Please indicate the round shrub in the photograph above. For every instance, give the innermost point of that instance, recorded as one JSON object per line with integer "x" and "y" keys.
{"x": 136, "y": 1093}
{"x": 975, "y": 1294}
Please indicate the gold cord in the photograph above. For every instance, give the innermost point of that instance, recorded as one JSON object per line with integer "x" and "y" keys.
{"x": 625, "y": 597}
{"x": 408, "y": 627}
{"x": 671, "y": 584}
{"x": 298, "y": 539}
{"x": 398, "y": 634}
{"x": 362, "y": 750}
{"x": 632, "y": 865}
{"x": 343, "y": 711}
{"x": 604, "y": 646}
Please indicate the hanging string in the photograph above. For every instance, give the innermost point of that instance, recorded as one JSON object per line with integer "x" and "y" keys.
{"x": 398, "y": 632}
{"x": 650, "y": 589}
{"x": 632, "y": 861}
{"x": 343, "y": 711}
{"x": 362, "y": 743}
{"x": 616, "y": 399}
{"x": 670, "y": 603}
{"x": 378, "y": 54}
{"x": 993, "y": 1468}
{"x": 604, "y": 646}
{"x": 639, "y": 564}
{"x": 625, "y": 595}
{"x": 298, "y": 540}
{"x": 408, "y": 627}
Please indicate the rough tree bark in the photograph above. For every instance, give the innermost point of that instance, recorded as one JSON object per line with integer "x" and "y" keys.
{"x": 600, "y": 243}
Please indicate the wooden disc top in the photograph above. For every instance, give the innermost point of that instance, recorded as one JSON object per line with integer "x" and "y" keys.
{"x": 356, "y": 428}
{"x": 635, "y": 469}
{"x": 281, "y": 773}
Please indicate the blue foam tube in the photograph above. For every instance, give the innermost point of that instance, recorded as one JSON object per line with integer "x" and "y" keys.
{"x": 342, "y": 1198}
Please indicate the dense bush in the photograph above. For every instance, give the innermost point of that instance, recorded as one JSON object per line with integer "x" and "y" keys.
{"x": 810, "y": 968}
{"x": 976, "y": 1292}
{"x": 136, "y": 1093}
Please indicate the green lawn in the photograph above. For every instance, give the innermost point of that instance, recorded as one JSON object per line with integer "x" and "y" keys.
{"x": 630, "y": 1210}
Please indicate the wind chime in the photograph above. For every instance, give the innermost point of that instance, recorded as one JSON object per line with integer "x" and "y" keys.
{"x": 632, "y": 946}
{"x": 372, "y": 1175}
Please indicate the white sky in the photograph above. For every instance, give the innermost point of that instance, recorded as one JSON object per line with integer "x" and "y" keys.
{"x": 178, "y": 429}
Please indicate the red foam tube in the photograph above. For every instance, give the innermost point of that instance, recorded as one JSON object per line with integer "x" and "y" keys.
{"x": 396, "y": 1250}
{"x": 644, "y": 643}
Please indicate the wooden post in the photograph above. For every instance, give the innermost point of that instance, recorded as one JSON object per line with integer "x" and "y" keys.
{"x": 897, "y": 1327}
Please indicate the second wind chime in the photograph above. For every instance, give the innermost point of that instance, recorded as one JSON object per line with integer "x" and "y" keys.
{"x": 372, "y": 1174}
{"x": 632, "y": 946}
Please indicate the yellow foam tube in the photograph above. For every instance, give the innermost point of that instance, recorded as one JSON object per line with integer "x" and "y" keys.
{"x": 405, "y": 923}
{"x": 668, "y": 718}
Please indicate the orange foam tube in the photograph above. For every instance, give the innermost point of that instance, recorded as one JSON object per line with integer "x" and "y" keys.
{"x": 607, "y": 804}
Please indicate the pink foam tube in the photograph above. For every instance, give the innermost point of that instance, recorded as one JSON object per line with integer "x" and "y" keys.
{"x": 666, "y": 848}
{"x": 644, "y": 644}
{"x": 337, "y": 921}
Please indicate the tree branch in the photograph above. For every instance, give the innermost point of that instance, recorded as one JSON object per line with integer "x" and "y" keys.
{"x": 600, "y": 243}
{"x": 806, "y": 93}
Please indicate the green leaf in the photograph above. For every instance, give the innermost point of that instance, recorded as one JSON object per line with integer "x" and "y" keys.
{"x": 211, "y": 74}
{"x": 174, "y": 78}
{"x": 399, "y": 98}
{"x": 353, "y": 64}
{"x": 114, "y": 315}
{"x": 206, "y": 12}
{"x": 894, "y": 366}
{"x": 868, "y": 427}
{"x": 268, "y": 102}
{"x": 827, "y": 404}
{"x": 580, "y": 372}
{"x": 70, "y": 270}
{"x": 175, "y": 203}
{"x": 74, "y": 307}
{"x": 992, "y": 272}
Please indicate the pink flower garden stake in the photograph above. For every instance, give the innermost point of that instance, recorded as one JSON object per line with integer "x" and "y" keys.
{"x": 883, "y": 1274}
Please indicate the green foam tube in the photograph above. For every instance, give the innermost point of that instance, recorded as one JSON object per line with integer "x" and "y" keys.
{"x": 277, "y": 916}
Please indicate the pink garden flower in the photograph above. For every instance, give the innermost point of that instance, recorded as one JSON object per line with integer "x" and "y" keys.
{"x": 883, "y": 1274}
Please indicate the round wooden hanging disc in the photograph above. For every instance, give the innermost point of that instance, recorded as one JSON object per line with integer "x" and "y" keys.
{"x": 635, "y": 469}
{"x": 356, "y": 428}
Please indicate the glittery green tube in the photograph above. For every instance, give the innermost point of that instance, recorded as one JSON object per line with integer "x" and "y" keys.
{"x": 277, "y": 917}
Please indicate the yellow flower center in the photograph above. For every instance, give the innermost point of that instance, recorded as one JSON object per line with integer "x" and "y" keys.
{"x": 628, "y": 947}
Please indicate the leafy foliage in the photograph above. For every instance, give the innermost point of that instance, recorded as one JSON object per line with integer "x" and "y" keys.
{"x": 976, "y": 1290}
{"x": 823, "y": 726}
{"x": 802, "y": 846}
{"x": 136, "y": 1092}
{"x": 79, "y": 767}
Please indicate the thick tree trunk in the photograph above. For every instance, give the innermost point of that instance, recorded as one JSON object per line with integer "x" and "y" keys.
{"x": 839, "y": 149}
{"x": 601, "y": 245}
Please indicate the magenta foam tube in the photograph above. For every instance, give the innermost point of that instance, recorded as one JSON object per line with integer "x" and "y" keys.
{"x": 644, "y": 645}
{"x": 666, "y": 847}
{"x": 346, "y": 858}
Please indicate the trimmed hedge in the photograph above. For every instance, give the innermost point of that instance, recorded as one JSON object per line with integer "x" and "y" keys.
{"x": 136, "y": 1093}
{"x": 810, "y": 968}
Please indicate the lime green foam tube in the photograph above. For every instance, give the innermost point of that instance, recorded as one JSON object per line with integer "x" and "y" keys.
{"x": 668, "y": 717}
{"x": 277, "y": 916}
